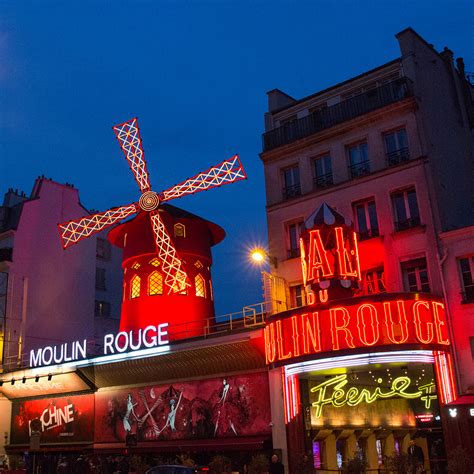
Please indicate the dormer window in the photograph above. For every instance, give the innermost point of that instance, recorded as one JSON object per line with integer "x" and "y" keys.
{"x": 179, "y": 230}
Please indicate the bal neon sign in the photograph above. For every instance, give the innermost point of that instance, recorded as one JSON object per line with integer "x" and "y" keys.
{"x": 122, "y": 342}
{"x": 335, "y": 393}
{"x": 360, "y": 323}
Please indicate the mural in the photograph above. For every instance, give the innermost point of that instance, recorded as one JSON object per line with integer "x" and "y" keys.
{"x": 213, "y": 408}
{"x": 59, "y": 419}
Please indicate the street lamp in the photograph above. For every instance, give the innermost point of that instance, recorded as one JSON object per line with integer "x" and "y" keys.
{"x": 259, "y": 255}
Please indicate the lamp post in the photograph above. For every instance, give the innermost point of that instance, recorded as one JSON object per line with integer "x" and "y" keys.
{"x": 259, "y": 255}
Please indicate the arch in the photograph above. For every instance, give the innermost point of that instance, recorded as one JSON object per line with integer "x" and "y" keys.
{"x": 179, "y": 230}
{"x": 155, "y": 284}
{"x": 135, "y": 287}
{"x": 200, "y": 285}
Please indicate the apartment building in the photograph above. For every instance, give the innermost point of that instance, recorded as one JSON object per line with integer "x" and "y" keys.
{"x": 393, "y": 149}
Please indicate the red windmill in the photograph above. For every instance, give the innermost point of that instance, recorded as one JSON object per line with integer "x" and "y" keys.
{"x": 128, "y": 135}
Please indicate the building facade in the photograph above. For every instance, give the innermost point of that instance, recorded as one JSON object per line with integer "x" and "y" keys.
{"x": 393, "y": 150}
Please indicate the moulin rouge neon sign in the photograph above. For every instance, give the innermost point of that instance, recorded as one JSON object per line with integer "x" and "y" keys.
{"x": 398, "y": 319}
{"x": 335, "y": 393}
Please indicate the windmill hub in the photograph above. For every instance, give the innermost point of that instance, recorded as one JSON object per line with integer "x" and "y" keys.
{"x": 149, "y": 201}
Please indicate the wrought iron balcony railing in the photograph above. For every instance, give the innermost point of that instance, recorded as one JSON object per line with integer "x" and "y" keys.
{"x": 327, "y": 117}
{"x": 398, "y": 157}
{"x": 323, "y": 181}
{"x": 407, "y": 223}
{"x": 291, "y": 191}
{"x": 468, "y": 294}
{"x": 369, "y": 233}
{"x": 293, "y": 253}
{"x": 359, "y": 169}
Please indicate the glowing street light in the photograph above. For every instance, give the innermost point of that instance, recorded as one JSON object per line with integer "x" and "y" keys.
{"x": 259, "y": 256}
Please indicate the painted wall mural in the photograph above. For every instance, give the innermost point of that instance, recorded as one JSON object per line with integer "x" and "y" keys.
{"x": 213, "y": 408}
{"x": 61, "y": 419}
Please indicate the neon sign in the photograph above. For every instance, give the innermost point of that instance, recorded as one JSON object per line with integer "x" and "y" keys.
{"x": 334, "y": 392}
{"x": 52, "y": 417}
{"x": 361, "y": 323}
{"x": 122, "y": 342}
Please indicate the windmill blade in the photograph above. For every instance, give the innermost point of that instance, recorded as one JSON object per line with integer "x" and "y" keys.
{"x": 175, "y": 276}
{"x": 73, "y": 231}
{"x": 128, "y": 135}
{"x": 226, "y": 172}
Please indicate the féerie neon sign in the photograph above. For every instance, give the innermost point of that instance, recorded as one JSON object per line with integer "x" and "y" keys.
{"x": 334, "y": 392}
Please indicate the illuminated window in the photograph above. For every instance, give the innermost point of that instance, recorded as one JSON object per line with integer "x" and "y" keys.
{"x": 358, "y": 156}
{"x": 293, "y": 232}
{"x": 155, "y": 262}
{"x": 155, "y": 284}
{"x": 366, "y": 219}
{"x": 405, "y": 208}
{"x": 396, "y": 147}
{"x": 103, "y": 250}
{"x": 198, "y": 264}
{"x": 466, "y": 269}
{"x": 374, "y": 281}
{"x": 291, "y": 182}
{"x": 415, "y": 275}
{"x": 135, "y": 287}
{"x": 200, "y": 285}
{"x": 322, "y": 172}
{"x": 102, "y": 309}
{"x": 100, "y": 279}
{"x": 179, "y": 230}
{"x": 136, "y": 265}
{"x": 297, "y": 296}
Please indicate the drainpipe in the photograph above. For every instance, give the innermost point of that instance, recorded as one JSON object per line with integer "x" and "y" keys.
{"x": 441, "y": 261}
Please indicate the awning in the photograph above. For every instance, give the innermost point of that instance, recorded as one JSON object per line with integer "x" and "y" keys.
{"x": 462, "y": 400}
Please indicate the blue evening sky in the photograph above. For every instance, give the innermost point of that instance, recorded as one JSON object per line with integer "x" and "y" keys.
{"x": 196, "y": 74}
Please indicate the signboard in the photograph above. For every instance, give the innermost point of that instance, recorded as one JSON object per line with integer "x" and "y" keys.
{"x": 213, "y": 408}
{"x": 61, "y": 419}
{"x": 394, "y": 319}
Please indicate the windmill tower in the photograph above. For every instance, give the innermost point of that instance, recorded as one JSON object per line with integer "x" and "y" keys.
{"x": 166, "y": 251}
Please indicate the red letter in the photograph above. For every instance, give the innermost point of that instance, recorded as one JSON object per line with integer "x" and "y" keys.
{"x": 311, "y": 330}
{"x": 296, "y": 336}
{"x": 280, "y": 343}
{"x": 317, "y": 259}
{"x": 373, "y": 324}
{"x": 440, "y": 322}
{"x": 390, "y": 323}
{"x": 346, "y": 262}
{"x": 418, "y": 323}
{"x": 269, "y": 336}
{"x": 335, "y": 328}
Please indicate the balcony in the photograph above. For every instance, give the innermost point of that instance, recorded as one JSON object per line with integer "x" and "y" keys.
{"x": 291, "y": 191}
{"x": 358, "y": 170}
{"x": 368, "y": 234}
{"x": 468, "y": 294}
{"x": 293, "y": 253}
{"x": 328, "y": 117}
{"x": 407, "y": 223}
{"x": 323, "y": 181}
{"x": 398, "y": 157}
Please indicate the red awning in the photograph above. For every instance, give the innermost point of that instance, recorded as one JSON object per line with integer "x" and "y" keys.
{"x": 225, "y": 444}
{"x": 463, "y": 400}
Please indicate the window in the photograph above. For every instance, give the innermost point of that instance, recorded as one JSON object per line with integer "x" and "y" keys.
{"x": 135, "y": 287}
{"x": 102, "y": 309}
{"x": 291, "y": 182}
{"x": 211, "y": 293}
{"x": 366, "y": 219}
{"x": 100, "y": 278}
{"x": 155, "y": 262}
{"x": 415, "y": 276}
{"x": 200, "y": 285}
{"x": 471, "y": 340}
{"x": 466, "y": 268}
{"x": 323, "y": 172}
{"x": 297, "y": 296}
{"x": 179, "y": 230}
{"x": 405, "y": 207}
{"x": 374, "y": 281}
{"x": 103, "y": 250}
{"x": 293, "y": 238}
{"x": 155, "y": 284}
{"x": 358, "y": 160}
{"x": 396, "y": 147}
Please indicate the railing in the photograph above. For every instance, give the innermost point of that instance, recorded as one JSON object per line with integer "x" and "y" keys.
{"x": 468, "y": 294}
{"x": 293, "y": 253}
{"x": 407, "y": 223}
{"x": 359, "y": 169}
{"x": 323, "y": 181}
{"x": 329, "y": 116}
{"x": 369, "y": 234}
{"x": 398, "y": 157}
{"x": 291, "y": 191}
